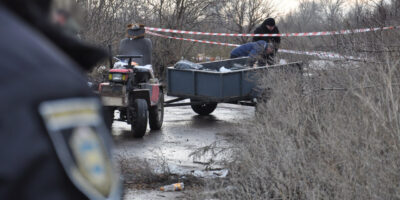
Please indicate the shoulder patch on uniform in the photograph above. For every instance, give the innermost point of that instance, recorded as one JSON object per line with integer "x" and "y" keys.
{"x": 63, "y": 114}
{"x": 78, "y": 134}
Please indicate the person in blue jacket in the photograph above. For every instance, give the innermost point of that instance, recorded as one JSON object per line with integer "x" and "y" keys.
{"x": 254, "y": 50}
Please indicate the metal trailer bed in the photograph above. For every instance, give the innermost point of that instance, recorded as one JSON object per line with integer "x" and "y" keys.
{"x": 202, "y": 87}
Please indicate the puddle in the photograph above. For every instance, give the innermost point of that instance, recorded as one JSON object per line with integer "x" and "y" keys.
{"x": 183, "y": 133}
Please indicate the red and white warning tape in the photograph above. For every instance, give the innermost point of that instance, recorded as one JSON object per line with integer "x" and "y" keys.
{"x": 192, "y": 40}
{"x": 342, "y": 32}
{"x": 323, "y": 55}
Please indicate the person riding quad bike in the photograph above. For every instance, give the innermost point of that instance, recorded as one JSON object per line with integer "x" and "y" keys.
{"x": 133, "y": 89}
{"x": 137, "y": 44}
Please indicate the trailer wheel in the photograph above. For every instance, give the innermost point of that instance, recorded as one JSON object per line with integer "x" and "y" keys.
{"x": 203, "y": 109}
{"x": 139, "y": 118}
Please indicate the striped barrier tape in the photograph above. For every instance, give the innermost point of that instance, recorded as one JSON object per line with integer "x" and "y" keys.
{"x": 320, "y": 54}
{"x": 322, "y": 33}
{"x": 192, "y": 40}
{"x": 323, "y": 55}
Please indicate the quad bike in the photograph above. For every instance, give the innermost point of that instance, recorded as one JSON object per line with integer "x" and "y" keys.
{"x": 136, "y": 94}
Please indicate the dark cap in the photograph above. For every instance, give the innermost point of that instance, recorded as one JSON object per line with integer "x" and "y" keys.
{"x": 269, "y": 22}
{"x": 135, "y": 27}
{"x": 135, "y": 30}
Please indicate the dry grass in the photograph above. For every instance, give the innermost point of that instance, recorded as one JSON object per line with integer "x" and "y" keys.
{"x": 334, "y": 135}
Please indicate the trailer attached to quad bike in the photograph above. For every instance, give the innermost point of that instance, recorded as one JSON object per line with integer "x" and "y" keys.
{"x": 207, "y": 88}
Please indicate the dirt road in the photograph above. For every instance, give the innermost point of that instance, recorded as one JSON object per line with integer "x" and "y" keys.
{"x": 169, "y": 149}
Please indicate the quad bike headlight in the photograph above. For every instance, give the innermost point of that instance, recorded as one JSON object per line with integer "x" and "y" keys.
{"x": 117, "y": 77}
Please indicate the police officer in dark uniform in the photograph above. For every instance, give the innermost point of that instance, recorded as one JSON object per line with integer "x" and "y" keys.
{"x": 53, "y": 141}
{"x": 268, "y": 27}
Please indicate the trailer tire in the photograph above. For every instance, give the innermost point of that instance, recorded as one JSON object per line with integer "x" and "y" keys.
{"x": 139, "y": 118}
{"x": 156, "y": 114}
{"x": 204, "y": 109}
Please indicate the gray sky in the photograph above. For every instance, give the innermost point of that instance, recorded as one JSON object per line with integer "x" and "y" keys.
{"x": 284, "y": 6}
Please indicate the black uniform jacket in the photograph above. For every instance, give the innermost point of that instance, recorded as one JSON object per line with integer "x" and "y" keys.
{"x": 264, "y": 30}
{"x": 32, "y": 71}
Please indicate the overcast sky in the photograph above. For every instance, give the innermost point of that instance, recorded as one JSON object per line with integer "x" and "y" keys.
{"x": 285, "y": 6}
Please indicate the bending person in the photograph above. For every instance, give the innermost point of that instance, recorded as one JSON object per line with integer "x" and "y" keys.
{"x": 255, "y": 50}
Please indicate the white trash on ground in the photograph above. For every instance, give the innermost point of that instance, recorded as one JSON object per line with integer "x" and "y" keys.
{"x": 173, "y": 187}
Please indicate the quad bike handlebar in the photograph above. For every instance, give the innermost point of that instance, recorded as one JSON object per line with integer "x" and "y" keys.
{"x": 129, "y": 57}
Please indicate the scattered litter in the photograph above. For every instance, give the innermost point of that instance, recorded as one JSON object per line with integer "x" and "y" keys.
{"x": 185, "y": 64}
{"x": 211, "y": 174}
{"x": 172, "y": 187}
{"x": 223, "y": 69}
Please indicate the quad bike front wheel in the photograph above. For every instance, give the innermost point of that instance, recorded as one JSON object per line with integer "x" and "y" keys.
{"x": 156, "y": 114}
{"x": 139, "y": 118}
{"x": 203, "y": 109}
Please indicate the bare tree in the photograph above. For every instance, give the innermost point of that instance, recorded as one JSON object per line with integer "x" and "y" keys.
{"x": 177, "y": 14}
{"x": 242, "y": 16}
{"x": 333, "y": 12}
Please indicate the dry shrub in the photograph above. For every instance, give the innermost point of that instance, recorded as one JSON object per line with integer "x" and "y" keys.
{"x": 332, "y": 135}
{"x": 144, "y": 174}
{"x": 138, "y": 173}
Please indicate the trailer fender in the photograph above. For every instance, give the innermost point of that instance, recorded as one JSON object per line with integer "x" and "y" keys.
{"x": 155, "y": 91}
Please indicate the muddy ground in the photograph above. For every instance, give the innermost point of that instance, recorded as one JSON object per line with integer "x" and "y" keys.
{"x": 164, "y": 156}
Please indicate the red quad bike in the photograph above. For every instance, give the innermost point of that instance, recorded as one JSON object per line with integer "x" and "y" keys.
{"x": 137, "y": 94}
